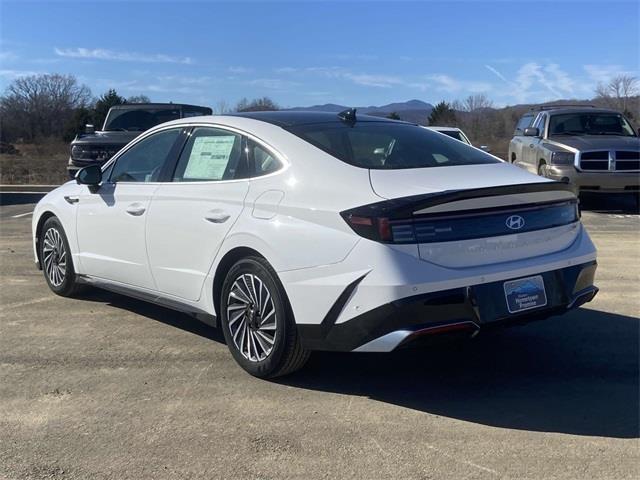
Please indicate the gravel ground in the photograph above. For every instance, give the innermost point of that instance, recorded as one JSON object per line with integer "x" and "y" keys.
{"x": 106, "y": 387}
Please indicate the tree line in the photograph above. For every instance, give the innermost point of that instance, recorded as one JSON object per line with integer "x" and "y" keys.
{"x": 58, "y": 106}
{"x": 483, "y": 123}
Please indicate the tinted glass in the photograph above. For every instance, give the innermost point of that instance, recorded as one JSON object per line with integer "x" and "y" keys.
{"x": 590, "y": 124}
{"x": 264, "y": 162}
{"x": 390, "y": 145}
{"x": 143, "y": 162}
{"x": 211, "y": 154}
{"x": 453, "y": 134}
{"x": 139, "y": 120}
{"x": 195, "y": 112}
{"x": 523, "y": 123}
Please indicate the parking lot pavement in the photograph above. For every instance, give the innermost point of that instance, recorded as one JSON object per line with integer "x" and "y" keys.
{"x": 108, "y": 387}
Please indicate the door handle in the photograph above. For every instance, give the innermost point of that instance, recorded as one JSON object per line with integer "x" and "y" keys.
{"x": 135, "y": 209}
{"x": 216, "y": 216}
{"x": 71, "y": 200}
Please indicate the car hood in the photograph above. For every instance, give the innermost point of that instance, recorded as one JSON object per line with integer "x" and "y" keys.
{"x": 105, "y": 138}
{"x": 595, "y": 142}
{"x": 416, "y": 181}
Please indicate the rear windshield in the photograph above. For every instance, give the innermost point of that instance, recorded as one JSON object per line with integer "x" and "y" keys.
{"x": 138, "y": 120}
{"x": 390, "y": 146}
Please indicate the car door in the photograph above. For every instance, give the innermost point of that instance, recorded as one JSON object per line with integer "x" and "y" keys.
{"x": 517, "y": 144}
{"x": 532, "y": 144}
{"x": 111, "y": 220}
{"x": 190, "y": 216}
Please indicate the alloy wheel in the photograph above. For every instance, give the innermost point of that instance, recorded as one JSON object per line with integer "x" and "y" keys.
{"x": 54, "y": 256}
{"x": 251, "y": 314}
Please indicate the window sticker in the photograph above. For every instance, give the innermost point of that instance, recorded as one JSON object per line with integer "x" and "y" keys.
{"x": 209, "y": 157}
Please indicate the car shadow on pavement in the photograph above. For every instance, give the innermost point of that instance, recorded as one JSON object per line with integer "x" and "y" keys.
{"x": 576, "y": 374}
{"x": 609, "y": 203}
{"x": 156, "y": 312}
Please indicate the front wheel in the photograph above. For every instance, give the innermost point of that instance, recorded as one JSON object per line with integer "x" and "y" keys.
{"x": 257, "y": 321}
{"x": 542, "y": 169}
{"x": 55, "y": 258}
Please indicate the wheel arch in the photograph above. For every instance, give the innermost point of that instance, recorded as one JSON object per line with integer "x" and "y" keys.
{"x": 46, "y": 215}
{"x": 226, "y": 262}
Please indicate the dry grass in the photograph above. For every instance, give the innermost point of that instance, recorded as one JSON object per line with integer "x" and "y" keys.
{"x": 41, "y": 163}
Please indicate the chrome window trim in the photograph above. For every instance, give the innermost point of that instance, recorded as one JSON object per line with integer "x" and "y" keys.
{"x": 284, "y": 162}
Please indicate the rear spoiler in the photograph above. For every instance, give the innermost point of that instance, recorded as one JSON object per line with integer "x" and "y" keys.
{"x": 404, "y": 207}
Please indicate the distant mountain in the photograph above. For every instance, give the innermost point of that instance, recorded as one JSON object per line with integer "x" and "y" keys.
{"x": 412, "y": 111}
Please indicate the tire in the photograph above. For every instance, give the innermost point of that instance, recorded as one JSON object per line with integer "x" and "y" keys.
{"x": 252, "y": 296}
{"x": 541, "y": 169}
{"x": 55, "y": 257}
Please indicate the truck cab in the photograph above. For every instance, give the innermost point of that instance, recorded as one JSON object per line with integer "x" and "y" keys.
{"x": 122, "y": 124}
{"x": 594, "y": 149}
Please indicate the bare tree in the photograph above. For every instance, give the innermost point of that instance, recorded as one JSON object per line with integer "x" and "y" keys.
{"x": 256, "y": 105}
{"x": 476, "y": 102}
{"x": 477, "y": 116}
{"x": 618, "y": 91}
{"x": 222, "y": 107}
{"x": 41, "y": 105}
{"x": 138, "y": 99}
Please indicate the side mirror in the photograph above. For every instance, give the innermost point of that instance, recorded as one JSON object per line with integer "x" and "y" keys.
{"x": 88, "y": 128}
{"x": 90, "y": 175}
{"x": 486, "y": 148}
{"x": 531, "y": 132}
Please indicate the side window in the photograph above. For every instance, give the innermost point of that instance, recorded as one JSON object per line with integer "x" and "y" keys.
{"x": 523, "y": 123}
{"x": 143, "y": 162}
{"x": 264, "y": 162}
{"x": 211, "y": 154}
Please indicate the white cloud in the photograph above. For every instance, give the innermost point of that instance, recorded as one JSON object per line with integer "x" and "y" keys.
{"x": 13, "y": 74}
{"x": 7, "y": 56}
{"x": 497, "y": 74}
{"x": 272, "y": 83}
{"x": 103, "y": 54}
{"x": 604, "y": 73}
{"x": 239, "y": 69}
{"x": 369, "y": 80}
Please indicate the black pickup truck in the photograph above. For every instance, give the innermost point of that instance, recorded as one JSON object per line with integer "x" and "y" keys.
{"x": 123, "y": 124}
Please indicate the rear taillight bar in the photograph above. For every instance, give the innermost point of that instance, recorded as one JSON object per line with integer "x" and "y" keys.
{"x": 393, "y": 221}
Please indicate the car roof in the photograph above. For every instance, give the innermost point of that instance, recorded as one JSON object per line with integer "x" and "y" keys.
{"x": 560, "y": 110}
{"x": 286, "y": 118}
{"x": 132, "y": 106}
{"x": 444, "y": 129}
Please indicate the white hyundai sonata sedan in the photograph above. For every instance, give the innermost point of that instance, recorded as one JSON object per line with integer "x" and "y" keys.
{"x": 297, "y": 231}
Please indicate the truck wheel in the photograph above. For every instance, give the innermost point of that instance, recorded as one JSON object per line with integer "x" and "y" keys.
{"x": 542, "y": 169}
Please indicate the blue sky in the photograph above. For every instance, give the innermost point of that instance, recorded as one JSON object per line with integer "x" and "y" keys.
{"x": 305, "y": 53}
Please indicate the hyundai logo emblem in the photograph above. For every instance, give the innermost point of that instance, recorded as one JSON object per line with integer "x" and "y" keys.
{"x": 515, "y": 222}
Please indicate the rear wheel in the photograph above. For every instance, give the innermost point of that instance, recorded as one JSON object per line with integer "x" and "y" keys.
{"x": 257, "y": 321}
{"x": 55, "y": 257}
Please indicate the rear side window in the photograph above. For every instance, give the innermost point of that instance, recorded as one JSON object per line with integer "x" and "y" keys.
{"x": 210, "y": 154}
{"x": 523, "y": 123}
{"x": 390, "y": 146}
{"x": 262, "y": 160}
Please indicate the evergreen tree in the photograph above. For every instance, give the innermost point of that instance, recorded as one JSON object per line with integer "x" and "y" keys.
{"x": 443, "y": 115}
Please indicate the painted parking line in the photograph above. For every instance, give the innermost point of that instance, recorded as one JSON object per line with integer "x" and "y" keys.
{"x": 20, "y": 215}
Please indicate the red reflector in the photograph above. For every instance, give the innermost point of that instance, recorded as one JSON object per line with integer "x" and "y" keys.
{"x": 360, "y": 220}
{"x": 384, "y": 229}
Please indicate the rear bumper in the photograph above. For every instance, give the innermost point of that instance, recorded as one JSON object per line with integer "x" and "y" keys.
{"x": 465, "y": 309}
{"x": 612, "y": 182}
